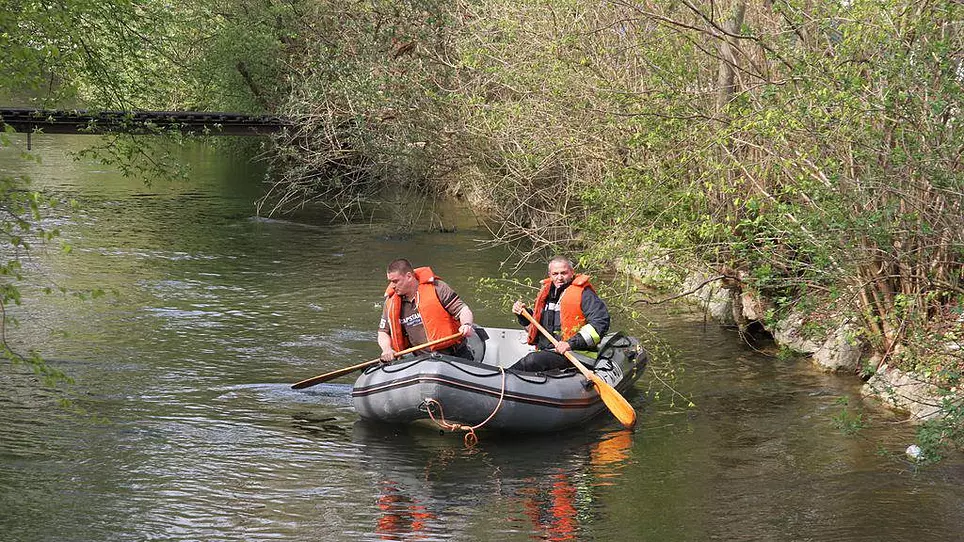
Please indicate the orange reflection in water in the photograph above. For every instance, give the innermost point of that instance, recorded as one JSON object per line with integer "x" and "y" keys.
{"x": 552, "y": 509}
{"x": 551, "y": 504}
{"x": 400, "y": 515}
{"x": 610, "y": 454}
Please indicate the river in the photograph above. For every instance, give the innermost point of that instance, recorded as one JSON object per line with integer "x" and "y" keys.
{"x": 183, "y": 424}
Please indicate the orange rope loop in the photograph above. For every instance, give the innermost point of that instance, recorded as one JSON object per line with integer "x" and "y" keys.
{"x": 471, "y": 439}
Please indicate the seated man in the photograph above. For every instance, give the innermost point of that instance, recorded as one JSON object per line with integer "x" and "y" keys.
{"x": 568, "y": 307}
{"x": 419, "y": 308}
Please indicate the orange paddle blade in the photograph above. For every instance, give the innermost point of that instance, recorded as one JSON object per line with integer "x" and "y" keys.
{"x": 617, "y": 404}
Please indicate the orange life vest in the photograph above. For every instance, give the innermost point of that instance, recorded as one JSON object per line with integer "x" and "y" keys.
{"x": 570, "y": 307}
{"x": 437, "y": 321}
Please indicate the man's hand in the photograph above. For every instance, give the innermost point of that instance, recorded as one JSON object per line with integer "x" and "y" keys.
{"x": 563, "y": 346}
{"x": 466, "y": 330}
{"x": 517, "y": 307}
{"x": 387, "y": 355}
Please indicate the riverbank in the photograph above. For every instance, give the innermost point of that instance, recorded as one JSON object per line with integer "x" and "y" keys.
{"x": 823, "y": 189}
{"x": 831, "y": 340}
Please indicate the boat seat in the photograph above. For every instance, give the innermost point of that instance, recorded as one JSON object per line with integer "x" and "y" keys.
{"x": 504, "y": 347}
{"x": 610, "y": 341}
{"x": 606, "y": 349}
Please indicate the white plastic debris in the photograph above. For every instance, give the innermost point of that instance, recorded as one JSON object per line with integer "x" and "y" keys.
{"x": 913, "y": 451}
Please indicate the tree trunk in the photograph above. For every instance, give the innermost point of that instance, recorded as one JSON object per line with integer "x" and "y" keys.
{"x": 727, "y": 73}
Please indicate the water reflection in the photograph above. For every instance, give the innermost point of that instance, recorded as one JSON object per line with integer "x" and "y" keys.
{"x": 400, "y": 514}
{"x": 610, "y": 454}
{"x": 427, "y": 484}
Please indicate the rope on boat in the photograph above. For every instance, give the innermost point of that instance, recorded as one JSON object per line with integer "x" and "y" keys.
{"x": 471, "y": 439}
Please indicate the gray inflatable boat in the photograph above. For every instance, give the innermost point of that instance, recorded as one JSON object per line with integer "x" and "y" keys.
{"x": 462, "y": 394}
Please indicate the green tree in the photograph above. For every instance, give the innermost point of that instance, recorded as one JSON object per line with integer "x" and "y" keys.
{"x": 125, "y": 55}
{"x": 810, "y": 150}
{"x": 21, "y": 228}
{"x": 368, "y": 93}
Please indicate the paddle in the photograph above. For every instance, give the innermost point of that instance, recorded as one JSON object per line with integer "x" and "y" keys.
{"x": 616, "y": 403}
{"x": 335, "y": 374}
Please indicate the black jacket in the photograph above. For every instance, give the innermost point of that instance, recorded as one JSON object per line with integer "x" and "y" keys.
{"x": 597, "y": 315}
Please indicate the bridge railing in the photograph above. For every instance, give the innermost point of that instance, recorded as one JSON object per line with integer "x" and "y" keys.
{"x": 77, "y": 121}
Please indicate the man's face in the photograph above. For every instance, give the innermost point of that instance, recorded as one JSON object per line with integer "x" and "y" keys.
{"x": 560, "y": 273}
{"x": 405, "y": 284}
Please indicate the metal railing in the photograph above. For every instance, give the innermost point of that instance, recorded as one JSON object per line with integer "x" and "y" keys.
{"x": 78, "y": 121}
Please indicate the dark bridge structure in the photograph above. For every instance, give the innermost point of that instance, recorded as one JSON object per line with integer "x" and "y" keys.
{"x": 77, "y": 121}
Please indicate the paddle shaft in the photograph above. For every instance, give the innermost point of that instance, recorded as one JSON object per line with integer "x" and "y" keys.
{"x": 345, "y": 370}
{"x": 616, "y": 403}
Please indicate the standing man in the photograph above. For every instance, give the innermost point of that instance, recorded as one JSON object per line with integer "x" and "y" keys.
{"x": 419, "y": 308}
{"x": 568, "y": 307}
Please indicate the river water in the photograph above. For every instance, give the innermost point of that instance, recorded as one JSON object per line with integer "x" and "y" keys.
{"x": 184, "y": 426}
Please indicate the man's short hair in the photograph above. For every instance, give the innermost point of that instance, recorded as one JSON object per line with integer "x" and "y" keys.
{"x": 400, "y": 266}
{"x": 562, "y": 259}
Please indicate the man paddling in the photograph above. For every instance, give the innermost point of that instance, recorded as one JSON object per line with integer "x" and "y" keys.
{"x": 420, "y": 307}
{"x": 567, "y": 306}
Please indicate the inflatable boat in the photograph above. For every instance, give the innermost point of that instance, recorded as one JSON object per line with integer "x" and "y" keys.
{"x": 487, "y": 393}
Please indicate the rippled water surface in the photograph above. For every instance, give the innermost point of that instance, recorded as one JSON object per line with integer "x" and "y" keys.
{"x": 190, "y": 430}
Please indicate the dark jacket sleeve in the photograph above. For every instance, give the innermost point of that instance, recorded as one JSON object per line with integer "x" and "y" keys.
{"x": 597, "y": 315}
{"x": 522, "y": 320}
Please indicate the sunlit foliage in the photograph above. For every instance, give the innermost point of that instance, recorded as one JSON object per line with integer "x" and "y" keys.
{"x": 808, "y": 150}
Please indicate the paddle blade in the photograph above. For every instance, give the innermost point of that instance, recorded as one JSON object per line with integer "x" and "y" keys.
{"x": 616, "y": 403}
